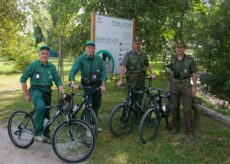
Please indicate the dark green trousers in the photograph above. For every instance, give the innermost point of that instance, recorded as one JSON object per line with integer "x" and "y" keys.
{"x": 181, "y": 91}
{"x": 139, "y": 81}
{"x": 94, "y": 98}
{"x": 41, "y": 98}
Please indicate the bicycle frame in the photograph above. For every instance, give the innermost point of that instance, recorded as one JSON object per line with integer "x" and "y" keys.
{"x": 159, "y": 98}
{"x": 83, "y": 102}
{"x": 58, "y": 113}
{"x": 132, "y": 100}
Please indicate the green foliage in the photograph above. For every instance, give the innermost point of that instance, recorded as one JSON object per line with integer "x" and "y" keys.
{"x": 14, "y": 44}
{"x": 38, "y": 34}
{"x": 204, "y": 25}
{"x": 71, "y": 24}
{"x": 21, "y": 51}
{"x": 22, "y": 61}
{"x": 210, "y": 42}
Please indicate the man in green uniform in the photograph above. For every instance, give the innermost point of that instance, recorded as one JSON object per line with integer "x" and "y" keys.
{"x": 93, "y": 74}
{"x": 135, "y": 62}
{"x": 42, "y": 73}
{"x": 183, "y": 68}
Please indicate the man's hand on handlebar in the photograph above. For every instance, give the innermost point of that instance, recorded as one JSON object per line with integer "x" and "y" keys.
{"x": 64, "y": 96}
{"x": 152, "y": 76}
{"x": 73, "y": 85}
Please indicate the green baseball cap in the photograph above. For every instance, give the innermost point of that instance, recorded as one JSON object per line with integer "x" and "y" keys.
{"x": 89, "y": 42}
{"x": 44, "y": 48}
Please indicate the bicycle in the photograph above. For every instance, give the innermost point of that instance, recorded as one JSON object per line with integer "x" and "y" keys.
{"x": 73, "y": 140}
{"x": 88, "y": 115}
{"x": 151, "y": 119}
{"x": 123, "y": 116}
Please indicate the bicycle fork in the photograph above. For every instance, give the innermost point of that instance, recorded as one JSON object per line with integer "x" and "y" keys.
{"x": 125, "y": 114}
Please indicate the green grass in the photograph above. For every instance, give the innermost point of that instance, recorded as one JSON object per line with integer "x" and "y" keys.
{"x": 211, "y": 145}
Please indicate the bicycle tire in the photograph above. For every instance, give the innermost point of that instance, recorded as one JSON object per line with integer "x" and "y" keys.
{"x": 24, "y": 126}
{"x": 149, "y": 125}
{"x": 73, "y": 140}
{"x": 89, "y": 116}
{"x": 121, "y": 120}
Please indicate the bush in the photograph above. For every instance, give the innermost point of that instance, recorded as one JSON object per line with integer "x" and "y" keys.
{"x": 21, "y": 51}
{"x": 220, "y": 84}
{"x": 22, "y": 61}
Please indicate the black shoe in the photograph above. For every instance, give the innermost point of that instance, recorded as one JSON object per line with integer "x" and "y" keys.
{"x": 175, "y": 131}
{"x": 190, "y": 136}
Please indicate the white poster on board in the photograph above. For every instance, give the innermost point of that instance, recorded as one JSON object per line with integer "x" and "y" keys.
{"x": 113, "y": 39}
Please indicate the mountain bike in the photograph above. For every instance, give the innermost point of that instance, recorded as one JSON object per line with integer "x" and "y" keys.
{"x": 124, "y": 115}
{"x": 88, "y": 115}
{"x": 151, "y": 119}
{"x": 73, "y": 140}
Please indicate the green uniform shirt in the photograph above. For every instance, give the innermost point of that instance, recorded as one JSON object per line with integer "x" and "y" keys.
{"x": 41, "y": 74}
{"x": 184, "y": 68}
{"x": 88, "y": 65}
{"x": 135, "y": 63}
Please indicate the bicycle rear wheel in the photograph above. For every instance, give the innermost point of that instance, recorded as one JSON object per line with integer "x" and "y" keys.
{"x": 149, "y": 125}
{"x": 121, "y": 120}
{"x": 90, "y": 117}
{"x": 20, "y": 129}
{"x": 73, "y": 141}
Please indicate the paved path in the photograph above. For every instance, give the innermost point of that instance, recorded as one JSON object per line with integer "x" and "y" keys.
{"x": 38, "y": 153}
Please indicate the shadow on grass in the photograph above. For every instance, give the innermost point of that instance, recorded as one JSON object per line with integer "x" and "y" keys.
{"x": 7, "y": 73}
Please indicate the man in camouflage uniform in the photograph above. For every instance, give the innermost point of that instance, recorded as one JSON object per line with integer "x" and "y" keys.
{"x": 135, "y": 62}
{"x": 183, "y": 68}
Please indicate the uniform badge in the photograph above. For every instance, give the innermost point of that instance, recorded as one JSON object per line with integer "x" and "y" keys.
{"x": 37, "y": 75}
{"x": 94, "y": 76}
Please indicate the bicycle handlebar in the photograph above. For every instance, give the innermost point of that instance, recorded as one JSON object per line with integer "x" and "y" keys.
{"x": 162, "y": 92}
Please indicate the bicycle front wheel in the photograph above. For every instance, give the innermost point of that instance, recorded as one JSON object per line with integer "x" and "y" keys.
{"x": 20, "y": 129}
{"x": 90, "y": 117}
{"x": 149, "y": 125}
{"x": 73, "y": 141}
{"x": 121, "y": 120}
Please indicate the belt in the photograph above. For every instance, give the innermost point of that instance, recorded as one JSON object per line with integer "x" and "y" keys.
{"x": 136, "y": 74}
{"x": 40, "y": 86}
{"x": 181, "y": 80}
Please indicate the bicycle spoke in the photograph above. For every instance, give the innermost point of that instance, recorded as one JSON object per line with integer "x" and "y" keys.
{"x": 121, "y": 121}
{"x": 73, "y": 141}
{"x": 20, "y": 129}
{"x": 149, "y": 125}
